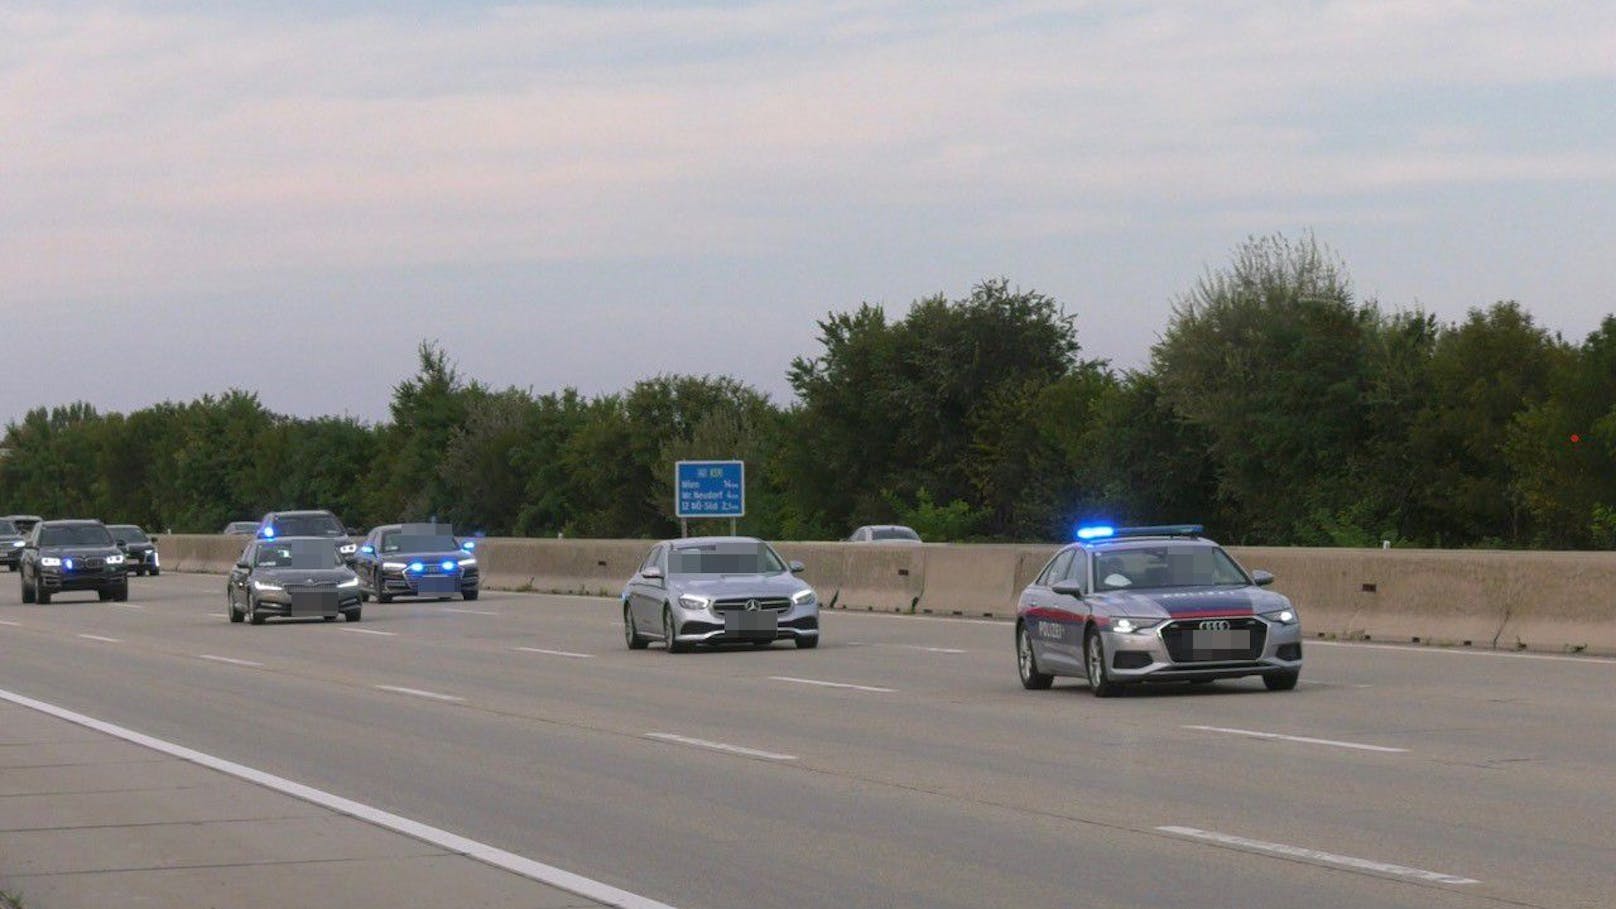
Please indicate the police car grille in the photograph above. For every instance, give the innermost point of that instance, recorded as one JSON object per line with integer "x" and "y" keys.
{"x": 1178, "y": 636}
{"x": 93, "y": 564}
{"x": 762, "y": 603}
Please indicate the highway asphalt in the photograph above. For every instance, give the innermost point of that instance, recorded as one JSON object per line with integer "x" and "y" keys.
{"x": 901, "y": 764}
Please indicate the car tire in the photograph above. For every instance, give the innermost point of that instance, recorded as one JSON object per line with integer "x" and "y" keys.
{"x": 383, "y": 597}
{"x": 254, "y": 617}
{"x": 235, "y": 614}
{"x": 353, "y": 615}
{"x": 669, "y": 632}
{"x": 1027, "y": 663}
{"x": 1094, "y": 666}
{"x": 104, "y": 594}
{"x": 469, "y": 595}
{"x": 120, "y": 593}
{"x": 808, "y": 642}
{"x": 631, "y": 636}
{"x": 329, "y": 618}
{"x": 1282, "y": 680}
{"x": 41, "y": 595}
{"x": 154, "y": 572}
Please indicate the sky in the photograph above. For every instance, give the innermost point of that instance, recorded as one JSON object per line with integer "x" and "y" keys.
{"x": 288, "y": 197}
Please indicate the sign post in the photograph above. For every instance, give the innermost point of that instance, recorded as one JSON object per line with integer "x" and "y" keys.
{"x": 709, "y": 489}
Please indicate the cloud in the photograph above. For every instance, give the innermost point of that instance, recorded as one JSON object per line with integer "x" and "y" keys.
{"x": 169, "y": 150}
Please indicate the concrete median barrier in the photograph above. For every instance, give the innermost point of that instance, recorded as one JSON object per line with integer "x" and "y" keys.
{"x": 1553, "y": 601}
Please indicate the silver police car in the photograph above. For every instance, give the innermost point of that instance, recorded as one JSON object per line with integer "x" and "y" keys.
{"x": 1153, "y": 604}
{"x": 718, "y": 590}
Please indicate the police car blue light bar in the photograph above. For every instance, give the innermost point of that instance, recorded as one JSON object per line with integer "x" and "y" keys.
{"x": 1106, "y": 531}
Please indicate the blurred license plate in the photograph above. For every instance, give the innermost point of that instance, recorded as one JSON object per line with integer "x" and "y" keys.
{"x": 751, "y": 621}
{"x": 314, "y": 603}
{"x": 1239, "y": 639}
{"x": 438, "y": 585}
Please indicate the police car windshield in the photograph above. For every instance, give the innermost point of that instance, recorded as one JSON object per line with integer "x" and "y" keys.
{"x": 129, "y": 533}
{"x": 724, "y": 558}
{"x": 307, "y": 525}
{"x": 413, "y": 542}
{"x": 297, "y": 554}
{"x": 7, "y": 527}
{"x": 75, "y": 535}
{"x": 894, "y": 533}
{"x": 1167, "y": 565}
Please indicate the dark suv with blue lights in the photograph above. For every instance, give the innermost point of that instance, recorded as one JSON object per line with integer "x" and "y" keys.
{"x": 66, "y": 556}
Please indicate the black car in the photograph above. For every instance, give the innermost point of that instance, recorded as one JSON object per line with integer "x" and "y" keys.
{"x": 11, "y": 543}
{"x": 416, "y": 560}
{"x": 63, "y": 556}
{"x": 140, "y": 551}
{"x": 279, "y": 525}
{"x": 294, "y": 577}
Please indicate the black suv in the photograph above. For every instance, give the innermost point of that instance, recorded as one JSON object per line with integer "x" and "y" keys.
{"x": 140, "y": 551}
{"x": 11, "y": 543}
{"x": 281, "y": 524}
{"x": 61, "y": 556}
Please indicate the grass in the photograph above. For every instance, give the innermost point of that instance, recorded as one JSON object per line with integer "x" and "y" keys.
{"x": 9, "y": 900}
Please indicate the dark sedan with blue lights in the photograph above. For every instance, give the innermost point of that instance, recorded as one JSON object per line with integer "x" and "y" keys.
{"x": 1123, "y": 606}
{"x": 417, "y": 560}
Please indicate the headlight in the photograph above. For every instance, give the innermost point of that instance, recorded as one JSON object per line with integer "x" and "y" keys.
{"x": 266, "y": 587}
{"x": 50, "y": 562}
{"x": 18, "y": 544}
{"x": 1283, "y": 616}
{"x": 114, "y": 560}
{"x": 1133, "y": 626}
{"x": 691, "y": 601}
{"x": 351, "y": 582}
{"x": 803, "y": 597}
{"x": 348, "y": 548}
{"x": 465, "y": 562}
{"x": 416, "y": 567}
{"x": 393, "y": 566}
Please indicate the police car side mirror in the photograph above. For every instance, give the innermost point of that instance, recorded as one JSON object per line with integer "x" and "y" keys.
{"x": 1068, "y": 588}
{"x": 122, "y": 544}
{"x": 1262, "y": 578}
{"x": 652, "y": 574}
{"x": 796, "y": 567}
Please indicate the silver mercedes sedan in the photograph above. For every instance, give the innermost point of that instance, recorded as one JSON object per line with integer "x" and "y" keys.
{"x": 718, "y": 590}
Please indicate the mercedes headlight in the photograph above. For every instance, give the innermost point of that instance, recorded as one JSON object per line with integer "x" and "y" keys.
{"x": 803, "y": 597}
{"x": 691, "y": 601}
{"x": 1283, "y": 616}
{"x": 1133, "y": 626}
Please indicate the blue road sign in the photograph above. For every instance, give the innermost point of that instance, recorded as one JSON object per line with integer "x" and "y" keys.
{"x": 710, "y": 489}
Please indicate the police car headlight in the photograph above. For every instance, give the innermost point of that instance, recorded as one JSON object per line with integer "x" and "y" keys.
{"x": 1133, "y": 626}
{"x": 50, "y": 562}
{"x": 19, "y": 544}
{"x": 348, "y": 548}
{"x": 691, "y": 601}
{"x": 468, "y": 561}
{"x": 393, "y": 566}
{"x": 1283, "y": 616}
{"x": 802, "y": 597}
{"x": 114, "y": 560}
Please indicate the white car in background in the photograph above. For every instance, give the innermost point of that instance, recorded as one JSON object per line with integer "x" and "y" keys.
{"x": 884, "y": 533}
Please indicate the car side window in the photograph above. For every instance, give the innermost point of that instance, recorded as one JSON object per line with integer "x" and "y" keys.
{"x": 650, "y": 559}
{"x": 1078, "y": 570}
{"x": 661, "y": 557}
{"x": 247, "y": 554}
{"x": 1056, "y": 568}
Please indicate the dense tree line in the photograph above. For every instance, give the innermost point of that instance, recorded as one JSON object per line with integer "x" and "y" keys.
{"x": 1278, "y": 407}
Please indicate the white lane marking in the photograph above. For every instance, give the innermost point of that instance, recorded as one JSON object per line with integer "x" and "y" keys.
{"x": 559, "y": 653}
{"x": 471, "y": 611}
{"x": 1329, "y": 858}
{"x": 127, "y": 605}
{"x": 12, "y": 624}
{"x": 389, "y": 634}
{"x": 719, "y": 746}
{"x": 1252, "y": 733}
{"x": 231, "y": 660}
{"x": 822, "y": 684}
{"x": 220, "y": 615}
{"x": 862, "y": 613}
{"x": 97, "y": 637}
{"x": 1416, "y": 648}
{"x": 920, "y": 647}
{"x": 499, "y": 858}
{"x": 416, "y": 692}
{"x": 1334, "y": 684}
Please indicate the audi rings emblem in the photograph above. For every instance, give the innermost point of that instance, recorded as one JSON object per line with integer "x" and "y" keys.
{"x": 752, "y": 606}
{"x": 1215, "y": 625}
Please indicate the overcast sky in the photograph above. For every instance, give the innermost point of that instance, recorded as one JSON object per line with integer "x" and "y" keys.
{"x": 288, "y": 196}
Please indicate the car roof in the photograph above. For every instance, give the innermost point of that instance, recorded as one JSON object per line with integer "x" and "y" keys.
{"x": 1122, "y": 543}
{"x": 136, "y": 526}
{"x": 61, "y": 522}
{"x": 302, "y": 511}
{"x": 304, "y": 539}
{"x": 709, "y": 541}
{"x": 26, "y": 517}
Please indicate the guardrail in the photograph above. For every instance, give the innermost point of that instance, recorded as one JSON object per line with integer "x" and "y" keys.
{"x": 1556, "y": 601}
